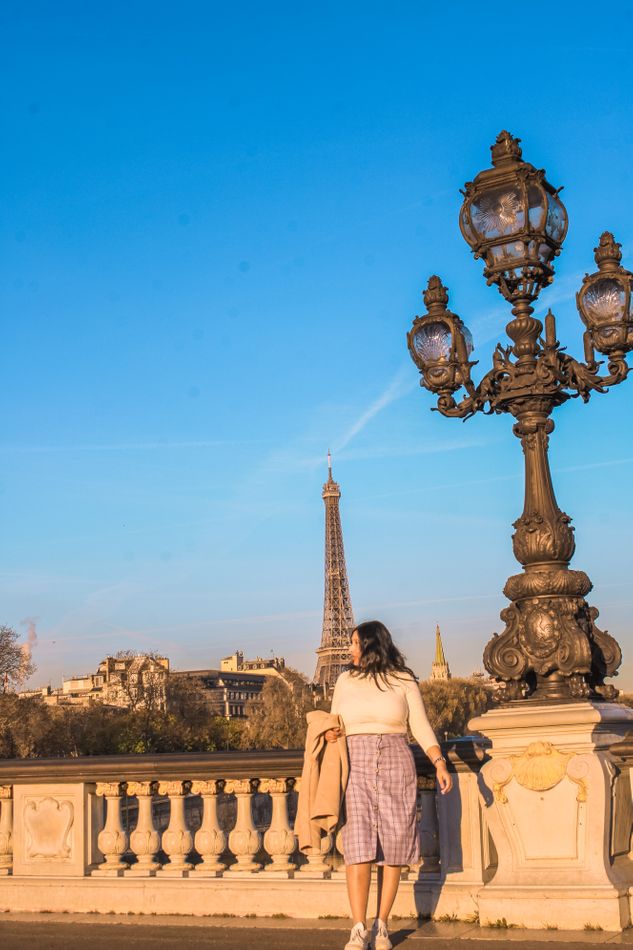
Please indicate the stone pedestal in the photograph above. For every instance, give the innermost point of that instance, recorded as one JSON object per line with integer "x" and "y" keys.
{"x": 555, "y": 804}
{"x": 55, "y": 829}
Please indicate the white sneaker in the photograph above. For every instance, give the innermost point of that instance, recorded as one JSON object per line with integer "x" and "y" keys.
{"x": 380, "y": 936}
{"x": 358, "y": 938}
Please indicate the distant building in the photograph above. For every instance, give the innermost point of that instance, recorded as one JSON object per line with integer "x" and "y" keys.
{"x": 439, "y": 668}
{"x": 135, "y": 680}
{"x": 138, "y": 680}
{"x": 235, "y": 663}
{"x": 227, "y": 692}
{"x": 123, "y": 681}
{"x": 481, "y": 678}
{"x": 47, "y": 693}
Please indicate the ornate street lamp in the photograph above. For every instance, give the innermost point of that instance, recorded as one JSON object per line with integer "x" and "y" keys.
{"x": 605, "y": 303}
{"x": 551, "y": 648}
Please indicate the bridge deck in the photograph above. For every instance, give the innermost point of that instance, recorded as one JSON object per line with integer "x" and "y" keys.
{"x": 76, "y": 932}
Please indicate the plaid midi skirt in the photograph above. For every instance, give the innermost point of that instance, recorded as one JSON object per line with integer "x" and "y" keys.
{"x": 380, "y": 801}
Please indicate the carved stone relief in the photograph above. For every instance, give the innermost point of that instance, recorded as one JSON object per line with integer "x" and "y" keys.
{"x": 48, "y": 823}
{"x": 540, "y": 767}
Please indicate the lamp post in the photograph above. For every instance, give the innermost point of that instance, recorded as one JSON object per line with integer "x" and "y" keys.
{"x": 512, "y": 218}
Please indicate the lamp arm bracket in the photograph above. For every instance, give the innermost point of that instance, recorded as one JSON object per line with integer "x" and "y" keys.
{"x": 584, "y": 378}
{"x": 479, "y": 399}
{"x": 553, "y": 376}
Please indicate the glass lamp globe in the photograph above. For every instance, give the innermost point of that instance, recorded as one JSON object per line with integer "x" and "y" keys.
{"x": 605, "y": 302}
{"x": 433, "y": 341}
{"x": 439, "y": 343}
{"x": 513, "y": 218}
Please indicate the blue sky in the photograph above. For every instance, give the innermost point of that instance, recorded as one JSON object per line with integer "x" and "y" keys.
{"x": 216, "y": 224}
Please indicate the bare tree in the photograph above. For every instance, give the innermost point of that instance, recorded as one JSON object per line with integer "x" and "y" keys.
{"x": 16, "y": 664}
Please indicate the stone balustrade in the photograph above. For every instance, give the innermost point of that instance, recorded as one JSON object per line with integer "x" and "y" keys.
{"x": 211, "y": 834}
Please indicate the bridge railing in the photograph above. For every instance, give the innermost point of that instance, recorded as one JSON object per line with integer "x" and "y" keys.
{"x": 183, "y": 833}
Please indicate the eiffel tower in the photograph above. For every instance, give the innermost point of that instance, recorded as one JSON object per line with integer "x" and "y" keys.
{"x": 338, "y": 618}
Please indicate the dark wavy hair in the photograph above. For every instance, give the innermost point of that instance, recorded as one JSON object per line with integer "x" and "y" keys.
{"x": 379, "y": 655}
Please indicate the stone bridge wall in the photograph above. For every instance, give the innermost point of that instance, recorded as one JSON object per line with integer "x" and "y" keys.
{"x": 212, "y": 834}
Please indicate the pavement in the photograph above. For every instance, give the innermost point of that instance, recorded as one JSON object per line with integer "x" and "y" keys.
{"x": 97, "y": 932}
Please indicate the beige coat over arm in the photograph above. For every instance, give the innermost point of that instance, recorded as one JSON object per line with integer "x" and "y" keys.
{"x": 323, "y": 781}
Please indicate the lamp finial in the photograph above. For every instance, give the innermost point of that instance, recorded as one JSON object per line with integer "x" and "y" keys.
{"x": 506, "y": 149}
{"x": 436, "y": 294}
{"x": 608, "y": 254}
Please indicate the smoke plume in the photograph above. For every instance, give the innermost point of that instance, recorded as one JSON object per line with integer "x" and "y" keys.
{"x": 31, "y": 638}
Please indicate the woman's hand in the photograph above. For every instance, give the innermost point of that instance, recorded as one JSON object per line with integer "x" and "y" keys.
{"x": 444, "y": 777}
{"x": 333, "y": 734}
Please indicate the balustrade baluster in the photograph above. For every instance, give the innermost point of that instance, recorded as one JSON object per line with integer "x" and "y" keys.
{"x": 145, "y": 839}
{"x": 210, "y": 839}
{"x": 244, "y": 840}
{"x": 279, "y": 840}
{"x": 428, "y": 827}
{"x": 631, "y": 843}
{"x": 113, "y": 840}
{"x": 335, "y": 856}
{"x": 316, "y": 865}
{"x": 6, "y": 829}
{"x": 428, "y": 831}
{"x": 177, "y": 839}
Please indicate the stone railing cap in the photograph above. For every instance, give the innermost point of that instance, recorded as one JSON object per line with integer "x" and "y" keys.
{"x": 466, "y": 753}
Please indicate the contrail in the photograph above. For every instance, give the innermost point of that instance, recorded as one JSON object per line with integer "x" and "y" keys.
{"x": 398, "y": 387}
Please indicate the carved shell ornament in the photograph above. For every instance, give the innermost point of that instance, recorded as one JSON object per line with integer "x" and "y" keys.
{"x": 538, "y": 769}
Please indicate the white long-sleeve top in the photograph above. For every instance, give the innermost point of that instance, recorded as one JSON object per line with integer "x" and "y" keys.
{"x": 365, "y": 707}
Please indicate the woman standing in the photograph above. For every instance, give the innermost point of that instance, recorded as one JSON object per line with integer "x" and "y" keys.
{"x": 376, "y": 698}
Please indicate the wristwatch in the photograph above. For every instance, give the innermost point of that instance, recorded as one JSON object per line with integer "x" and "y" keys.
{"x": 438, "y": 758}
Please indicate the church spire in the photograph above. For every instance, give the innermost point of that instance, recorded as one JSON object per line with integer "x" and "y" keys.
{"x": 439, "y": 649}
{"x": 439, "y": 669}
{"x": 338, "y": 617}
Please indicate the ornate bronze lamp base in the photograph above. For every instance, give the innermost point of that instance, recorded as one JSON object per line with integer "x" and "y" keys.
{"x": 551, "y": 648}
